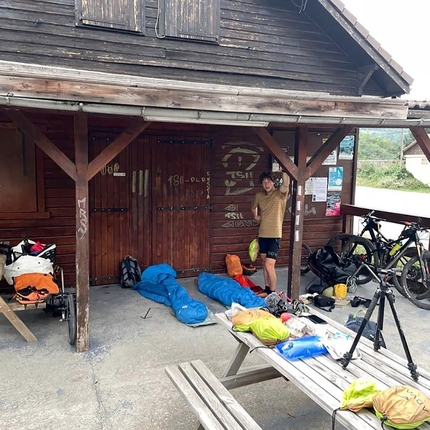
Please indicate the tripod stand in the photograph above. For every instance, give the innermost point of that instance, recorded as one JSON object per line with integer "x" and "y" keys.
{"x": 382, "y": 292}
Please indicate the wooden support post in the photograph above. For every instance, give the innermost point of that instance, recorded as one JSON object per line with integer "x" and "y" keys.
{"x": 82, "y": 234}
{"x": 297, "y": 213}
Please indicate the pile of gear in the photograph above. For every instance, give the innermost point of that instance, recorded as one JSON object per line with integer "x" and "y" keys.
{"x": 30, "y": 269}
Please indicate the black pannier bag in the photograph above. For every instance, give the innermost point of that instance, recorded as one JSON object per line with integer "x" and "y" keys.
{"x": 329, "y": 267}
{"x": 130, "y": 272}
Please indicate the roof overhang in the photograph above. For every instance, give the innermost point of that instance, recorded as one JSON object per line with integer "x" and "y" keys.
{"x": 389, "y": 75}
{"x": 71, "y": 90}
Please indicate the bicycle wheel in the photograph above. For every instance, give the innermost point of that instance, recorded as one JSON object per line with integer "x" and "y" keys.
{"x": 416, "y": 283}
{"x": 71, "y": 318}
{"x": 338, "y": 241}
{"x": 397, "y": 277}
{"x": 358, "y": 250}
{"x": 304, "y": 262}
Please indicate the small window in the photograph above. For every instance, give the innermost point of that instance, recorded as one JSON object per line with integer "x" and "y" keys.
{"x": 192, "y": 19}
{"x": 127, "y": 15}
{"x": 21, "y": 176}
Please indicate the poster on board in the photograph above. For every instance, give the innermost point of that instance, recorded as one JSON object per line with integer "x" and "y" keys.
{"x": 332, "y": 158}
{"x": 333, "y": 204}
{"x": 319, "y": 189}
{"x": 335, "y": 178}
{"x": 346, "y": 148}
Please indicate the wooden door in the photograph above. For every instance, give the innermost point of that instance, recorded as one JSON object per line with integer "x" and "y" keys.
{"x": 181, "y": 204}
{"x": 109, "y": 215}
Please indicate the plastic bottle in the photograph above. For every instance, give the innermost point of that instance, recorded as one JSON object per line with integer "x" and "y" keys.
{"x": 308, "y": 346}
{"x": 395, "y": 248}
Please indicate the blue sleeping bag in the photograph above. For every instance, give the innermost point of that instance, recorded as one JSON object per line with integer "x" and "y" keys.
{"x": 159, "y": 283}
{"x": 227, "y": 291}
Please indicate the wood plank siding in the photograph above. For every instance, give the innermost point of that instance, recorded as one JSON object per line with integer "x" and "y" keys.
{"x": 265, "y": 44}
{"x": 239, "y": 159}
{"x": 178, "y": 194}
{"x": 101, "y": 73}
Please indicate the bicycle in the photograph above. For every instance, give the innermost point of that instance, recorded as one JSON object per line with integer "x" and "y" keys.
{"x": 380, "y": 251}
{"x": 415, "y": 280}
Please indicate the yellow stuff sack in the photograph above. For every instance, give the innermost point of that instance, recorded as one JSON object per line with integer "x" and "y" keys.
{"x": 253, "y": 249}
{"x": 359, "y": 394}
{"x": 402, "y": 407}
{"x": 243, "y": 319}
{"x": 269, "y": 330}
{"x": 234, "y": 266}
{"x": 340, "y": 291}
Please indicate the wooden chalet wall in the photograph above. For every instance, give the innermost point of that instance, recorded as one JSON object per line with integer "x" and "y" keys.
{"x": 236, "y": 159}
{"x": 57, "y": 223}
{"x": 261, "y": 43}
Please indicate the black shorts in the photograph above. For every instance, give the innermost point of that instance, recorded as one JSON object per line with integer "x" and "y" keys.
{"x": 269, "y": 246}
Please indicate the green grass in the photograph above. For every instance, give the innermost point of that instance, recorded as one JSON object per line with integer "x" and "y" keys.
{"x": 394, "y": 177}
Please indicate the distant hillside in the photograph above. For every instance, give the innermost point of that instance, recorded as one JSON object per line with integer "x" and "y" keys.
{"x": 392, "y": 177}
{"x": 382, "y": 144}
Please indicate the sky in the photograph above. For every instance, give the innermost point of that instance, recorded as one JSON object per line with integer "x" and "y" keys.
{"x": 400, "y": 26}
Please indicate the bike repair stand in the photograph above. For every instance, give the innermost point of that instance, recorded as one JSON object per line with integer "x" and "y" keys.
{"x": 382, "y": 292}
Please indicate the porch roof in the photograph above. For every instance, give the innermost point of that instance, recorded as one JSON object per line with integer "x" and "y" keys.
{"x": 71, "y": 90}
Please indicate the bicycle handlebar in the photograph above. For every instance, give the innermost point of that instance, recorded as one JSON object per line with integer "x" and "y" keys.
{"x": 369, "y": 216}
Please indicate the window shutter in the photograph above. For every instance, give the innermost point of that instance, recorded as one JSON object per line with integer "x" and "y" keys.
{"x": 116, "y": 14}
{"x": 192, "y": 19}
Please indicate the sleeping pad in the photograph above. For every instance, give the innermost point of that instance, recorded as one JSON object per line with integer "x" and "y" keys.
{"x": 159, "y": 283}
{"x": 227, "y": 291}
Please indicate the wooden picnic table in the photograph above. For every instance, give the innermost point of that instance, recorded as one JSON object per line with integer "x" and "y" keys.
{"x": 323, "y": 378}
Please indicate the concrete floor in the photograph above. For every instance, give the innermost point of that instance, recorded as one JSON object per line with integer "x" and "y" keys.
{"x": 120, "y": 382}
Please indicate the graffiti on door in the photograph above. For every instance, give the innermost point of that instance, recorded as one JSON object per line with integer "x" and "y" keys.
{"x": 239, "y": 162}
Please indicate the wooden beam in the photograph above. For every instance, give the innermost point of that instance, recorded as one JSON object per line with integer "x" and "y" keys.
{"x": 121, "y": 142}
{"x": 82, "y": 233}
{"x": 364, "y": 75}
{"x": 422, "y": 139}
{"x": 77, "y": 86}
{"x": 297, "y": 213}
{"x": 324, "y": 150}
{"x": 33, "y": 134}
{"x": 395, "y": 217}
{"x": 277, "y": 151}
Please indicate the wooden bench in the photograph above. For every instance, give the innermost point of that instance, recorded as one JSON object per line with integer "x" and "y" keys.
{"x": 213, "y": 404}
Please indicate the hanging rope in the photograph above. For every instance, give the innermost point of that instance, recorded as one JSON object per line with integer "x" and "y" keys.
{"x": 301, "y": 6}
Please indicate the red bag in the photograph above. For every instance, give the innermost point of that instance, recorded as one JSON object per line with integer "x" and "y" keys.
{"x": 247, "y": 283}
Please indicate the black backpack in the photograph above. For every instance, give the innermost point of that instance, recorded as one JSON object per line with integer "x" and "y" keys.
{"x": 130, "y": 272}
{"x": 329, "y": 267}
{"x": 354, "y": 323}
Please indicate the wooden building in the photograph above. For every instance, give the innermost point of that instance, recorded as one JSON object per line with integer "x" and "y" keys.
{"x": 141, "y": 126}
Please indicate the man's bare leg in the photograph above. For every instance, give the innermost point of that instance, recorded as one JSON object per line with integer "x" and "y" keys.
{"x": 265, "y": 275}
{"x": 269, "y": 272}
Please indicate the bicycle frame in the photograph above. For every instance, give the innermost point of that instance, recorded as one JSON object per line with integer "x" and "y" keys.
{"x": 410, "y": 233}
{"x": 373, "y": 226}
{"x": 384, "y": 245}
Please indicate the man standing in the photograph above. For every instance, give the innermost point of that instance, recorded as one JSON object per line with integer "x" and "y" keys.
{"x": 268, "y": 208}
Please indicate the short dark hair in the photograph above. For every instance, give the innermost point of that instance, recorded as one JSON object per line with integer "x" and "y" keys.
{"x": 267, "y": 175}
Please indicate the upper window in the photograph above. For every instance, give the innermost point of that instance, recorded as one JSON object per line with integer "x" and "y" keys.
{"x": 192, "y": 19}
{"x": 125, "y": 15}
